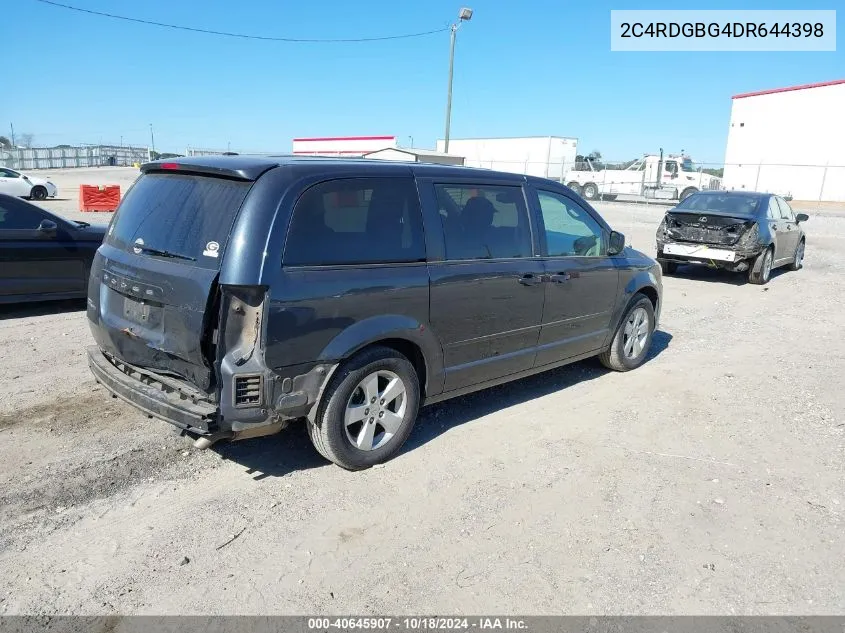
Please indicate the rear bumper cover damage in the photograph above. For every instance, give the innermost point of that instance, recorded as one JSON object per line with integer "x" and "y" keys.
{"x": 714, "y": 255}
{"x": 153, "y": 394}
{"x": 189, "y": 409}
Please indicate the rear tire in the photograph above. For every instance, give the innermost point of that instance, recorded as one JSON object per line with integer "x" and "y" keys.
{"x": 761, "y": 270}
{"x": 632, "y": 338}
{"x": 590, "y": 191}
{"x": 575, "y": 187}
{"x": 798, "y": 259}
{"x": 38, "y": 193}
{"x": 353, "y": 430}
{"x": 668, "y": 268}
{"x": 686, "y": 193}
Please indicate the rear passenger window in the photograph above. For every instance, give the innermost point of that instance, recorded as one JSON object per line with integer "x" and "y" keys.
{"x": 483, "y": 221}
{"x": 356, "y": 221}
{"x": 785, "y": 210}
{"x": 773, "y": 212}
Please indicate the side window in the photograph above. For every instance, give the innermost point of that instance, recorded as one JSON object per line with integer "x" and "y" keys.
{"x": 483, "y": 221}
{"x": 785, "y": 210}
{"x": 773, "y": 212}
{"x": 6, "y": 173}
{"x": 356, "y": 221}
{"x": 570, "y": 230}
{"x": 671, "y": 167}
{"x": 19, "y": 217}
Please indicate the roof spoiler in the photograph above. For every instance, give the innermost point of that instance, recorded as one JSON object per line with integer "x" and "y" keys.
{"x": 222, "y": 167}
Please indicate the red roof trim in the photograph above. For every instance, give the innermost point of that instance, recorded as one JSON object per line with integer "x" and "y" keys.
{"x": 789, "y": 89}
{"x": 348, "y": 138}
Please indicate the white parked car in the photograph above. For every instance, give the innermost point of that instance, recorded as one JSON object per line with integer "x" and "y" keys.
{"x": 23, "y": 185}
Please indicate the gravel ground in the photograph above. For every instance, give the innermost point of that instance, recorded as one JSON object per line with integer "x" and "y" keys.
{"x": 708, "y": 481}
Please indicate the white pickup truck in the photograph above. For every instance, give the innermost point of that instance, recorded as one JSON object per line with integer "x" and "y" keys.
{"x": 673, "y": 177}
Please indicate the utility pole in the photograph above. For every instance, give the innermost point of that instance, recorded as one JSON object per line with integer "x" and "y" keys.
{"x": 152, "y": 139}
{"x": 12, "y": 127}
{"x": 465, "y": 14}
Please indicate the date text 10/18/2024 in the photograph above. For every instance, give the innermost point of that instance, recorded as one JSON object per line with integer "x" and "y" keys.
{"x": 416, "y": 624}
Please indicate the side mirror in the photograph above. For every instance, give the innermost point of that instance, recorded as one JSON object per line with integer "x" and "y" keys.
{"x": 801, "y": 217}
{"x": 616, "y": 244}
{"x": 47, "y": 228}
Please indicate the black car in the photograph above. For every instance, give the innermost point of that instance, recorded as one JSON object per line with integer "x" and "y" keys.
{"x": 235, "y": 294}
{"x": 739, "y": 231}
{"x": 43, "y": 256}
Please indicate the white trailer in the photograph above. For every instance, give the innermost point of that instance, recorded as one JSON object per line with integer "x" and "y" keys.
{"x": 789, "y": 141}
{"x": 673, "y": 177}
{"x": 546, "y": 156}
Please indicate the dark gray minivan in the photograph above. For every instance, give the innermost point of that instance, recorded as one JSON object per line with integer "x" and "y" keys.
{"x": 234, "y": 294}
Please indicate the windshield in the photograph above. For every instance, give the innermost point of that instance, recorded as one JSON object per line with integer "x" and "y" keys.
{"x": 178, "y": 214}
{"x": 688, "y": 165}
{"x": 732, "y": 204}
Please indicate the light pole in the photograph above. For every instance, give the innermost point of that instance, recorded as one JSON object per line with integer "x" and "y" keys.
{"x": 152, "y": 139}
{"x": 411, "y": 138}
{"x": 464, "y": 15}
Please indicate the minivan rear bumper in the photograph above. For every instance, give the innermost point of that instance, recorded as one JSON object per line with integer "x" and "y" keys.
{"x": 152, "y": 394}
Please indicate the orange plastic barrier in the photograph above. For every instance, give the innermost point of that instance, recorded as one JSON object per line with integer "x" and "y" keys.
{"x": 99, "y": 198}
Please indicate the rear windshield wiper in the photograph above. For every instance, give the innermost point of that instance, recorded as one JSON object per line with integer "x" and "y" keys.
{"x": 82, "y": 224}
{"x": 160, "y": 253}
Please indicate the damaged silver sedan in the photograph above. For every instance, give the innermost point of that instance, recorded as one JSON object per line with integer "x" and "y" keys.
{"x": 739, "y": 231}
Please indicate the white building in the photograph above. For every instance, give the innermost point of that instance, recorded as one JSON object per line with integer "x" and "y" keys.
{"x": 546, "y": 156}
{"x": 789, "y": 141}
{"x": 341, "y": 145}
{"x": 415, "y": 155}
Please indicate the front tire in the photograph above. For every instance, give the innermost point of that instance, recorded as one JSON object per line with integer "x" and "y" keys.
{"x": 575, "y": 187}
{"x": 368, "y": 409}
{"x": 632, "y": 338}
{"x": 798, "y": 259}
{"x": 590, "y": 191}
{"x": 761, "y": 270}
{"x": 38, "y": 193}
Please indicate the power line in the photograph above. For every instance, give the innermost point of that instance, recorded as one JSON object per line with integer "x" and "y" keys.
{"x": 245, "y": 36}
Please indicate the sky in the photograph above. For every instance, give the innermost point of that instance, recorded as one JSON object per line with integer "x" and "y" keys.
{"x": 522, "y": 68}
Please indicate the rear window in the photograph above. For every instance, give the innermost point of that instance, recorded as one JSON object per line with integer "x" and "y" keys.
{"x": 185, "y": 218}
{"x": 743, "y": 205}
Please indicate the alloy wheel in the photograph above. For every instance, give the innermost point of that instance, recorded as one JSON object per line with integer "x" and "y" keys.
{"x": 635, "y": 333}
{"x": 376, "y": 410}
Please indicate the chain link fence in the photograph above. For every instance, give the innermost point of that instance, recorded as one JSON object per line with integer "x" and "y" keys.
{"x": 68, "y": 156}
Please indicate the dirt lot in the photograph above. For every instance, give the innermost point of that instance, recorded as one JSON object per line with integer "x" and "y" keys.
{"x": 709, "y": 481}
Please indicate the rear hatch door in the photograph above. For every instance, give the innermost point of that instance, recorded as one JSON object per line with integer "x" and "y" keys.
{"x": 154, "y": 281}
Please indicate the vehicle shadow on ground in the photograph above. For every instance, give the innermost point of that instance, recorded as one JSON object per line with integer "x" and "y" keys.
{"x": 719, "y": 275}
{"x": 440, "y": 418}
{"x": 44, "y": 308}
{"x": 291, "y": 450}
{"x": 274, "y": 456}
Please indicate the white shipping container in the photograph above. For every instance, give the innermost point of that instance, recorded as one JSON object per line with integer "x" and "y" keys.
{"x": 545, "y": 156}
{"x": 341, "y": 145}
{"x": 789, "y": 141}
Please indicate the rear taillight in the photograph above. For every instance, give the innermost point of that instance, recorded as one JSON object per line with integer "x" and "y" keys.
{"x": 169, "y": 165}
{"x": 750, "y": 237}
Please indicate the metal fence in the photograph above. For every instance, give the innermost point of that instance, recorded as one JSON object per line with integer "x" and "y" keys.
{"x": 73, "y": 156}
